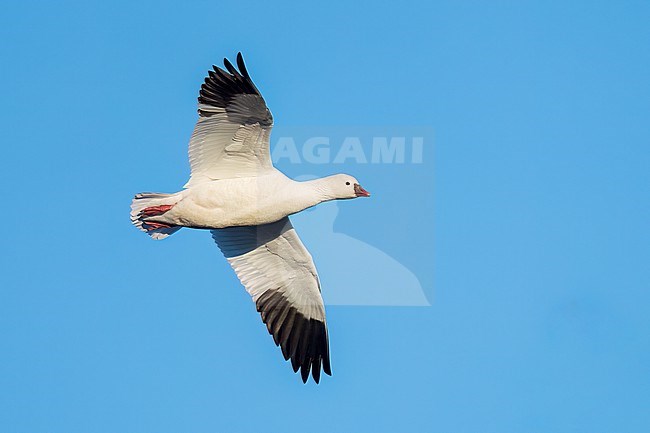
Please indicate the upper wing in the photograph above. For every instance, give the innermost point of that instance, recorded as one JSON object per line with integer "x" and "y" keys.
{"x": 278, "y": 272}
{"x": 231, "y": 137}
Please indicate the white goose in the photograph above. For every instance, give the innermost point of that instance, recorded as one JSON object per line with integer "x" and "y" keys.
{"x": 235, "y": 192}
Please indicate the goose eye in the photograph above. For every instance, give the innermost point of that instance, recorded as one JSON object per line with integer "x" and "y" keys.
{"x": 347, "y": 183}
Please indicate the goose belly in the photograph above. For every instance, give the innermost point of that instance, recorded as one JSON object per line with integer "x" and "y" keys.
{"x": 231, "y": 202}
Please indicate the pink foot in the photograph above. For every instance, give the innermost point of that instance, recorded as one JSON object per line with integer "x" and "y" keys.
{"x": 150, "y": 225}
{"x": 155, "y": 210}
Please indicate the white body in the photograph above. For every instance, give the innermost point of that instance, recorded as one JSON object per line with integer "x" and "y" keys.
{"x": 241, "y": 201}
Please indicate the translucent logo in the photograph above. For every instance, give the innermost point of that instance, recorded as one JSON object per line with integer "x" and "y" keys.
{"x": 375, "y": 277}
{"x": 372, "y": 278}
{"x": 322, "y": 150}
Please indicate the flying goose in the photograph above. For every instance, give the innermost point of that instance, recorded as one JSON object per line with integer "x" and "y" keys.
{"x": 235, "y": 192}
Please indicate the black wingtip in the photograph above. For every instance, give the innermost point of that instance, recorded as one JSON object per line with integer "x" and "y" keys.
{"x": 294, "y": 364}
{"x": 326, "y": 367}
{"x": 222, "y": 85}
{"x": 230, "y": 67}
{"x": 315, "y": 368}
{"x": 241, "y": 65}
{"x": 303, "y": 341}
{"x": 304, "y": 373}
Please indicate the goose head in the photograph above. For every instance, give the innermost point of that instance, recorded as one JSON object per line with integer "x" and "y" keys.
{"x": 344, "y": 186}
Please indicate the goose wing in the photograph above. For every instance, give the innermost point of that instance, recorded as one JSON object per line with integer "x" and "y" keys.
{"x": 278, "y": 272}
{"x": 231, "y": 137}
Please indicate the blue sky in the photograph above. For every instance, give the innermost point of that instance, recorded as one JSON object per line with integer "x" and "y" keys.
{"x": 526, "y": 224}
